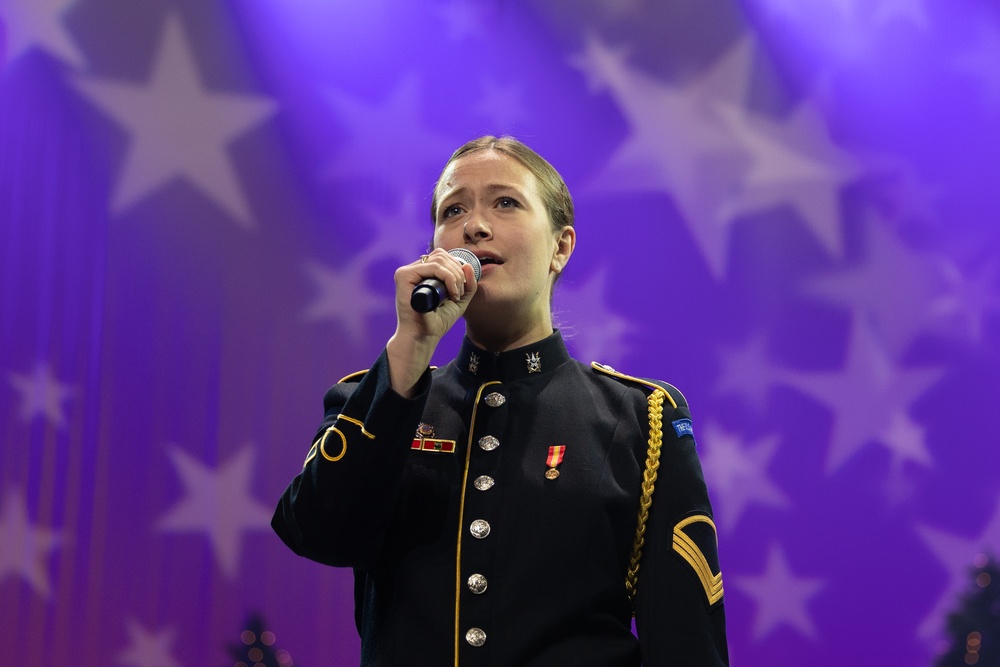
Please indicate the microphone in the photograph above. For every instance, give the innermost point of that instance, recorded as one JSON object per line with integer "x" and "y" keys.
{"x": 429, "y": 294}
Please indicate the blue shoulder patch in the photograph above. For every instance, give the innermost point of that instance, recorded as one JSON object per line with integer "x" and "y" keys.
{"x": 683, "y": 427}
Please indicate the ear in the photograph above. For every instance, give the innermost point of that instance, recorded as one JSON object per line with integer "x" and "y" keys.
{"x": 565, "y": 243}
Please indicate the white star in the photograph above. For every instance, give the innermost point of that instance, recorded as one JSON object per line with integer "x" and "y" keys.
{"x": 737, "y": 472}
{"x": 781, "y": 596}
{"x": 148, "y": 649}
{"x": 893, "y": 287}
{"x": 25, "y": 546}
{"x": 178, "y": 129}
{"x": 388, "y": 140}
{"x": 42, "y": 395}
{"x": 677, "y": 142}
{"x": 403, "y": 234}
{"x": 747, "y": 371}
{"x": 346, "y": 297}
{"x": 29, "y": 23}
{"x": 980, "y": 61}
{"x": 793, "y": 162}
{"x": 968, "y": 299}
{"x": 596, "y": 333}
{"x": 869, "y": 397}
{"x": 219, "y": 503}
{"x": 956, "y": 554}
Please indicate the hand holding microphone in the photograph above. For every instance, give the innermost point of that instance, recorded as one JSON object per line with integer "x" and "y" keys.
{"x": 430, "y": 292}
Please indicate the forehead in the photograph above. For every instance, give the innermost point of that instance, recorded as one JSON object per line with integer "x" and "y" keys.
{"x": 486, "y": 168}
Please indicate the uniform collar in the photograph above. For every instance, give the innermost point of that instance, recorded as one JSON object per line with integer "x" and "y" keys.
{"x": 535, "y": 359}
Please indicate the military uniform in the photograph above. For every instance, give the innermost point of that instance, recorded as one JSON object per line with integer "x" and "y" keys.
{"x": 491, "y": 519}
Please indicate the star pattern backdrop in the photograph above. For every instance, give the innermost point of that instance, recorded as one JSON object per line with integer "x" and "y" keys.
{"x": 787, "y": 209}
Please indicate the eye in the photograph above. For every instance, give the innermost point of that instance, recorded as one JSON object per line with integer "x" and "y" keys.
{"x": 508, "y": 202}
{"x": 450, "y": 211}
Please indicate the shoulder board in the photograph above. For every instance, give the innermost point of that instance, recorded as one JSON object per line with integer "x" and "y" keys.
{"x": 673, "y": 393}
{"x": 353, "y": 377}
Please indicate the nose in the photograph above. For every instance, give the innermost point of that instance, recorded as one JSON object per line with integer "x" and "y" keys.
{"x": 476, "y": 228}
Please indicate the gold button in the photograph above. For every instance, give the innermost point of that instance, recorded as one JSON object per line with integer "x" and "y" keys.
{"x": 483, "y": 483}
{"x": 495, "y": 399}
{"x": 477, "y": 584}
{"x": 476, "y": 637}
{"x": 480, "y": 528}
{"x": 488, "y": 443}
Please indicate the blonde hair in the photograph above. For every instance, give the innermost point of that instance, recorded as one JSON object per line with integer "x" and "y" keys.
{"x": 551, "y": 186}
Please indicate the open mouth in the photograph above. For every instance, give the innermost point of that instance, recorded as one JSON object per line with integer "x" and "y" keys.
{"x": 485, "y": 261}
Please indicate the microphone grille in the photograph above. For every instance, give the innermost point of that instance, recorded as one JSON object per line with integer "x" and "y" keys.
{"x": 466, "y": 257}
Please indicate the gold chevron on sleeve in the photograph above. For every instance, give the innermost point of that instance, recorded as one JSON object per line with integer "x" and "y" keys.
{"x": 690, "y": 552}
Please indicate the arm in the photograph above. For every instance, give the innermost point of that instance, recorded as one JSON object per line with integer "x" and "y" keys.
{"x": 680, "y": 614}
{"x": 336, "y": 510}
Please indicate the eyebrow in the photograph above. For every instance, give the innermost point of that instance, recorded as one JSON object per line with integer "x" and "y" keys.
{"x": 493, "y": 187}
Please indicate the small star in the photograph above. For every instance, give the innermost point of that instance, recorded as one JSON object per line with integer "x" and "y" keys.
{"x": 602, "y": 341}
{"x": 781, "y": 596}
{"x": 404, "y": 233}
{"x": 893, "y": 286}
{"x": 340, "y": 287}
{"x": 42, "y": 395}
{"x": 968, "y": 299}
{"x": 870, "y": 398}
{"x": 748, "y": 372}
{"x": 178, "y": 128}
{"x": 219, "y": 503}
{"x": 148, "y": 649}
{"x": 38, "y": 23}
{"x": 737, "y": 471}
{"x": 25, "y": 546}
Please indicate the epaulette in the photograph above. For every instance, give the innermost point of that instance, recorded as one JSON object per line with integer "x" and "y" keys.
{"x": 353, "y": 377}
{"x": 673, "y": 393}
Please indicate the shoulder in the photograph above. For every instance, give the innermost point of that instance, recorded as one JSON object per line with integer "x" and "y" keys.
{"x": 673, "y": 393}
{"x": 356, "y": 376}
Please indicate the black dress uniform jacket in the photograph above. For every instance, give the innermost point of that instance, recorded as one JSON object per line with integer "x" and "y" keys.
{"x": 468, "y": 550}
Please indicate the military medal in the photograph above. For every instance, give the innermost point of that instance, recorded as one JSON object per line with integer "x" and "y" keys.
{"x": 424, "y": 441}
{"x": 556, "y": 454}
{"x": 534, "y": 362}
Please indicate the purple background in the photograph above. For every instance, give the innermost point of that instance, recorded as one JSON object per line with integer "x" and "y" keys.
{"x": 787, "y": 208}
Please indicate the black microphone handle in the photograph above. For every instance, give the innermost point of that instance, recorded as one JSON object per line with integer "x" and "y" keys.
{"x": 428, "y": 295}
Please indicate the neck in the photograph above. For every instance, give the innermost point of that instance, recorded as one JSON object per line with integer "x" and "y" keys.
{"x": 500, "y": 336}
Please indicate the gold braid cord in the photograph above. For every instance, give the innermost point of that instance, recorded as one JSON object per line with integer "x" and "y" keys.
{"x": 648, "y": 483}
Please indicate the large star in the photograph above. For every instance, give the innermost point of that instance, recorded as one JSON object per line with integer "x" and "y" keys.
{"x": 42, "y": 394}
{"x": 593, "y": 332}
{"x": 956, "y": 554}
{"x": 388, "y": 140}
{"x": 148, "y": 648}
{"x": 677, "y": 143}
{"x": 792, "y": 162}
{"x": 178, "y": 129}
{"x": 38, "y": 23}
{"x": 870, "y": 399}
{"x": 346, "y": 297}
{"x": 893, "y": 286}
{"x": 25, "y": 546}
{"x": 747, "y": 371}
{"x": 737, "y": 473}
{"x": 219, "y": 503}
{"x": 781, "y": 596}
